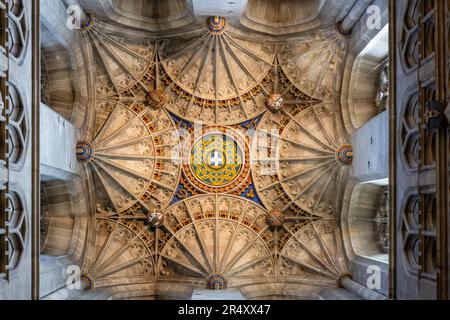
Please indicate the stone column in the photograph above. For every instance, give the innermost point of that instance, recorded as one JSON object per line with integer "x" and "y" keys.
{"x": 345, "y": 281}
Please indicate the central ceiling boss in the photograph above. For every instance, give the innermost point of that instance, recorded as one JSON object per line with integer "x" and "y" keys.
{"x": 217, "y": 160}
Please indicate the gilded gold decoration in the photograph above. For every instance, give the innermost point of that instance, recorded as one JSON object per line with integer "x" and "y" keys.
{"x": 88, "y": 22}
{"x": 216, "y": 281}
{"x": 85, "y": 152}
{"x": 344, "y": 154}
{"x": 218, "y": 161}
{"x": 216, "y": 25}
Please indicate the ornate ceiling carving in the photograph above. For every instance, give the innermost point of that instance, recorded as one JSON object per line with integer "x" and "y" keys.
{"x": 217, "y": 78}
{"x": 123, "y": 252}
{"x": 218, "y": 161}
{"x": 216, "y": 234}
{"x": 124, "y": 68}
{"x": 212, "y": 235}
{"x": 297, "y": 168}
{"x": 218, "y": 203}
{"x": 136, "y": 157}
{"x": 312, "y": 64}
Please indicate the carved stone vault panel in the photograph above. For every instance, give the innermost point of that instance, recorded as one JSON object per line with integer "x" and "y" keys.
{"x": 217, "y": 79}
{"x": 311, "y": 65}
{"x": 213, "y": 234}
{"x": 136, "y": 158}
{"x": 150, "y": 97}
{"x": 299, "y": 169}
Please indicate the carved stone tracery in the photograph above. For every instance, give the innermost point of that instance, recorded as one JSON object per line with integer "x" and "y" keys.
{"x": 150, "y": 96}
{"x": 422, "y": 201}
{"x": 18, "y": 29}
{"x": 14, "y": 132}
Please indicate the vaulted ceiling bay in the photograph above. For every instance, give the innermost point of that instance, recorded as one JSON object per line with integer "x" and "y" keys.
{"x": 214, "y": 152}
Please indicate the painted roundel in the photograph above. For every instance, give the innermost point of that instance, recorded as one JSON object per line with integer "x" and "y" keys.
{"x": 216, "y": 25}
{"x": 217, "y": 160}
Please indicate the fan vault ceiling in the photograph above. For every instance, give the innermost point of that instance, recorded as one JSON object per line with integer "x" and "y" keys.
{"x": 172, "y": 204}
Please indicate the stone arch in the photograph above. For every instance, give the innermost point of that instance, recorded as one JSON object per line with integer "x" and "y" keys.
{"x": 59, "y": 88}
{"x": 362, "y": 222}
{"x": 58, "y": 85}
{"x": 150, "y": 8}
{"x": 63, "y": 219}
{"x": 361, "y": 82}
{"x": 367, "y": 221}
{"x": 65, "y": 81}
{"x": 282, "y": 17}
{"x": 144, "y": 14}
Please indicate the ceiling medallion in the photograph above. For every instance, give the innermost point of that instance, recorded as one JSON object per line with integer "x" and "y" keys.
{"x": 217, "y": 161}
{"x": 87, "y": 23}
{"x": 216, "y": 282}
{"x": 85, "y": 152}
{"x": 344, "y": 154}
{"x": 89, "y": 279}
{"x": 216, "y": 25}
{"x": 275, "y": 219}
{"x": 157, "y": 98}
{"x": 274, "y": 102}
{"x": 155, "y": 219}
